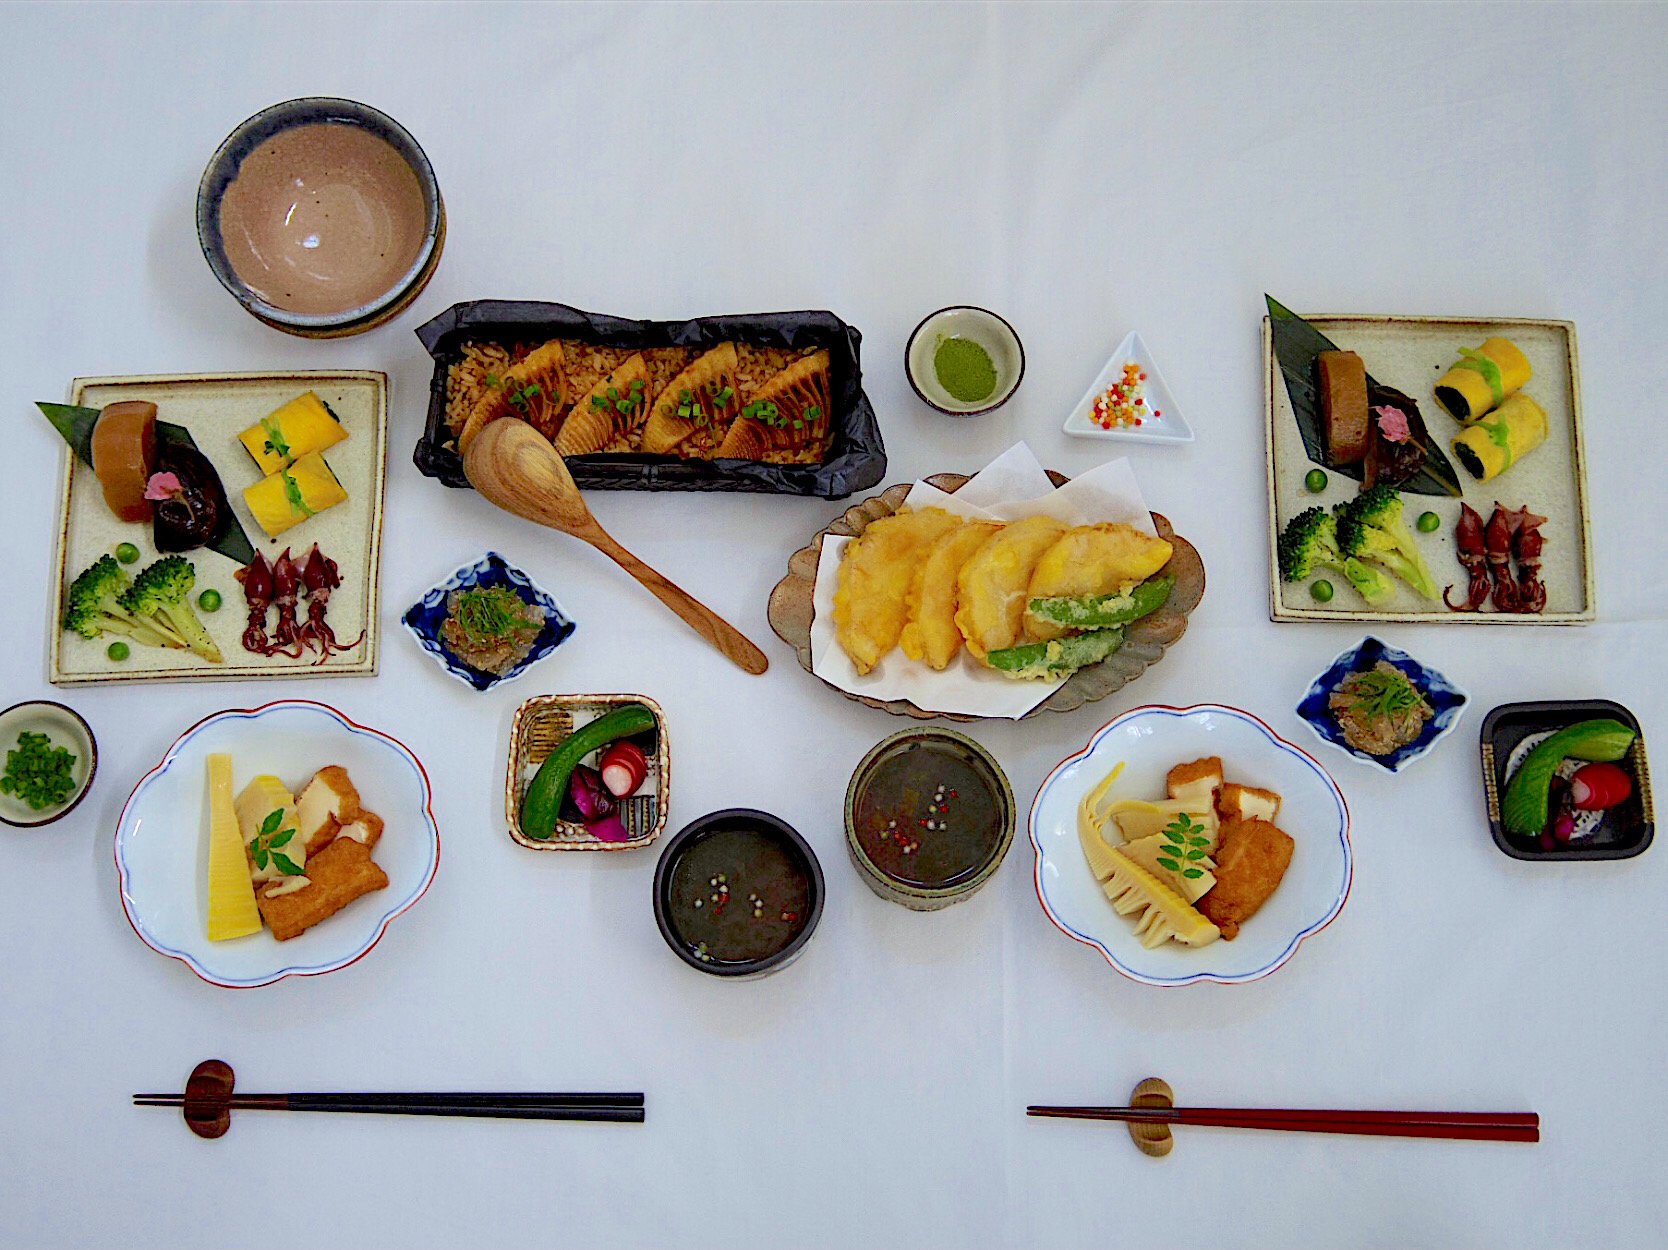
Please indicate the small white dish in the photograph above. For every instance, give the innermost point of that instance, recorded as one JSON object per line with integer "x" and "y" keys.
{"x": 162, "y": 842}
{"x": 1150, "y": 741}
{"x": 1166, "y": 425}
{"x": 66, "y": 729}
{"x": 995, "y": 335}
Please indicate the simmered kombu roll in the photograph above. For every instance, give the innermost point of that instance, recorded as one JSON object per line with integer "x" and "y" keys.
{"x": 1502, "y": 438}
{"x": 1482, "y": 379}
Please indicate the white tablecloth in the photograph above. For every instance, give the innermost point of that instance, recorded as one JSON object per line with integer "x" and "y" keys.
{"x": 1084, "y": 171}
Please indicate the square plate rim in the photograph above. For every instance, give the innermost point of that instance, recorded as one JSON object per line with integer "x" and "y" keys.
{"x": 371, "y": 662}
{"x": 1278, "y": 613}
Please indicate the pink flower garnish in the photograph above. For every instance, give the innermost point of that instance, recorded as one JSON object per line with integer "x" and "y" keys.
{"x": 1392, "y": 423}
{"x": 162, "y": 486}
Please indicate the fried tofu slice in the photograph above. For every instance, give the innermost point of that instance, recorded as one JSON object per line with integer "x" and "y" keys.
{"x": 1197, "y": 781}
{"x": 326, "y": 803}
{"x": 1237, "y": 802}
{"x": 366, "y": 827}
{"x": 340, "y": 873}
{"x": 1251, "y": 860}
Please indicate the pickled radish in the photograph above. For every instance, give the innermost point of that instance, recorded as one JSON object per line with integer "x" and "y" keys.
{"x": 1596, "y": 787}
{"x": 623, "y": 767}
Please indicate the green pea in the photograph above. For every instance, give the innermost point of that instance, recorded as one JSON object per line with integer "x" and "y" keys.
{"x": 1429, "y": 523}
{"x": 209, "y": 601}
{"x": 127, "y": 553}
{"x": 1315, "y": 481}
{"x": 117, "y": 651}
{"x": 1322, "y": 591}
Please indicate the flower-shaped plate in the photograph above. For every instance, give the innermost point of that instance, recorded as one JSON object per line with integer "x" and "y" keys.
{"x": 1149, "y": 741}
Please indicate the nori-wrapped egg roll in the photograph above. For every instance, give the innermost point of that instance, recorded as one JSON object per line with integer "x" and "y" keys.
{"x": 1491, "y": 446}
{"x": 1482, "y": 379}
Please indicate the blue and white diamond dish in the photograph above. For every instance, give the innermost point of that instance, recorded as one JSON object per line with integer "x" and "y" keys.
{"x": 1446, "y": 699}
{"x": 162, "y": 842}
{"x": 1149, "y": 741}
{"x": 425, "y": 618}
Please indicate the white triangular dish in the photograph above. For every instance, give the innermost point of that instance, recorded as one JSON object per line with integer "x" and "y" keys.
{"x": 1169, "y": 426}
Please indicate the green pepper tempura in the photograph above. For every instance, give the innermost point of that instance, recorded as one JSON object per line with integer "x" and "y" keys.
{"x": 38, "y": 772}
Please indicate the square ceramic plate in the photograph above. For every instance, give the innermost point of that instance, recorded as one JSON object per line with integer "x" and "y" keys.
{"x": 1166, "y": 426}
{"x": 1149, "y": 741}
{"x": 1410, "y": 354}
{"x": 216, "y": 408}
{"x": 425, "y": 618}
{"x": 162, "y": 839}
{"x": 1446, "y": 699}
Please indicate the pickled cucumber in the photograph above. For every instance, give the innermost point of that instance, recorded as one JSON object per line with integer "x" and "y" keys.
{"x": 1524, "y": 810}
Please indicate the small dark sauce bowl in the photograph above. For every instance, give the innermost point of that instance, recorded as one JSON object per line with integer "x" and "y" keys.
{"x": 784, "y": 835}
{"x": 916, "y": 895}
{"x": 1625, "y": 830}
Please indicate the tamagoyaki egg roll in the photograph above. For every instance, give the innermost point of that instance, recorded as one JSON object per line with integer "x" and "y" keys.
{"x": 1482, "y": 379}
{"x": 1492, "y": 445}
{"x": 303, "y": 425}
{"x": 291, "y": 495}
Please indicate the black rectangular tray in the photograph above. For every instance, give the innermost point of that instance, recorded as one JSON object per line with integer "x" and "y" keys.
{"x": 856, "y": 457}
{"x": 1627, "y": 828}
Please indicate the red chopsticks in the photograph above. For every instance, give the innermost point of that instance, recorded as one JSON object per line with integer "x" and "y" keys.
{"x": 1522, "y": 1126}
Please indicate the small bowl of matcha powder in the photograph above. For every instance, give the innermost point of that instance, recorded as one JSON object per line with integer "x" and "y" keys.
{"x": 964, "y": 361}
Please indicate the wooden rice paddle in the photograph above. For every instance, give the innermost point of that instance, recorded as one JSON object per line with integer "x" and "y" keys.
{"x": 515, "y": 466}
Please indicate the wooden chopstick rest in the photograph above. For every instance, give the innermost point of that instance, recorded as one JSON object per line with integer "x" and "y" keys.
{"x": 1152, "y": 1139}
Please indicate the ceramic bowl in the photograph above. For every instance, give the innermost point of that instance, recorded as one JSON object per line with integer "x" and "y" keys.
{"x": 66, "y": 729}
{"x": 425, "y": 617}
{"x": 1446, "y": 699}
{"x": 1163, "y": 422}
{"x": 985, "y": 328}
{"x": 913, "y": 894}
{"x": 779, "y": 831}
{"x": 1149, "y": 741}
{"x": 1621, "y": 832}
{"x": 162, "y": 839}
{"x": 356, "y": 194}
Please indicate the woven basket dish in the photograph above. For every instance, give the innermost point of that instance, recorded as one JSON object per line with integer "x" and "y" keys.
{"x": 541, "y": 725}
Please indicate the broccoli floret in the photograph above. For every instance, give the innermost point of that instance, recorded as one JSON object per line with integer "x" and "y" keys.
{"x": 162, "y": 594}
{"x": 93, "y": 606}
{"x": 1370, "y": 527}
{"x": 1310, "y": 540}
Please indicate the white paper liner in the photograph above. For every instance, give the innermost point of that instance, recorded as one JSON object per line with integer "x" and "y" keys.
{"x": 1009, "y": 488}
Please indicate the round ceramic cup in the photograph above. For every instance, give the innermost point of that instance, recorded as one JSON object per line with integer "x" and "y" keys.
{"x": 66, "y": 729}
{"x": 911, "y": 894}
{"x": 983, "y": 327}
{"x": 760, "y": 822}
{"x": 223, "y": 170}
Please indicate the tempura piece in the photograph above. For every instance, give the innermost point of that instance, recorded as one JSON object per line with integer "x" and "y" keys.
{"x": 1102, "y": 559}
{"x": 991, "y": 588}
{"x": 931, "y": 632}
{"x": 534, "y": 389}
{"x": 1251, "y": 860}
{"x": 876, "y": 571}
{"x": 617, "y": 405}
{"x": 340, "y": 873}
{"x": 691, "y": 416}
